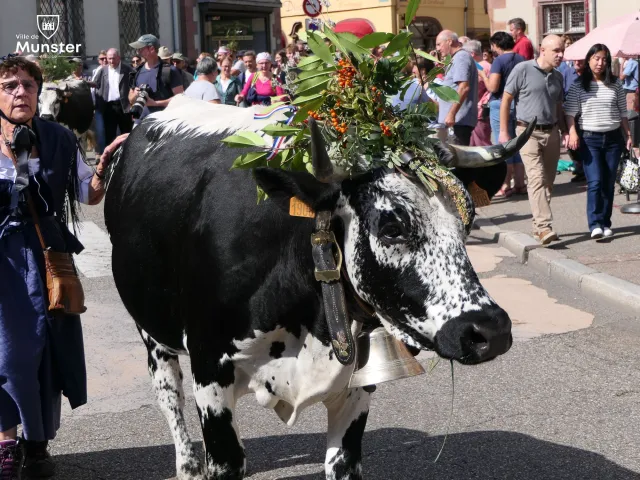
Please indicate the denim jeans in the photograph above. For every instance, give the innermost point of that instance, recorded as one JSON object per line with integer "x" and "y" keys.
{"x": 600, "y": 153}
{"x": 494, "y": 117}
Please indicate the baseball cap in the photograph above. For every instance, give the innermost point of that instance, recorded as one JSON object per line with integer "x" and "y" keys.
{"x": 164, "y": 53}
{"x": 146, "y": 40}
{"x": 178, "y": 56}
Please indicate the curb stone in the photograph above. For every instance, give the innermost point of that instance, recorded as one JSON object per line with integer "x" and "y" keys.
{"x": 619, "y": 294}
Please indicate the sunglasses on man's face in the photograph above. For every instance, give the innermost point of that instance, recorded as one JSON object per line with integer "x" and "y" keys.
{"x": 11, "y": 87}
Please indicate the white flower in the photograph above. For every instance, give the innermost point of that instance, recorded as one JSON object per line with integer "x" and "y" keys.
{"x": 326, "y": 3}
{"x": 330, "y": 23}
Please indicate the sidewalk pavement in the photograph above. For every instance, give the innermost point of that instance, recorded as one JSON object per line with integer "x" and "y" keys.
{"x": 608, "y": 271}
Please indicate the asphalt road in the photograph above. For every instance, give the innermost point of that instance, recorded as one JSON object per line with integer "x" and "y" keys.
{"x": 556, "y": 406}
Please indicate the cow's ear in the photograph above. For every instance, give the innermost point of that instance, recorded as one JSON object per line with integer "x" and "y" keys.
{"x": 280, "y": 185}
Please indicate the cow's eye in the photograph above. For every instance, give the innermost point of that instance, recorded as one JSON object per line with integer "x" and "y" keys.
{"x": 392, "y": 233}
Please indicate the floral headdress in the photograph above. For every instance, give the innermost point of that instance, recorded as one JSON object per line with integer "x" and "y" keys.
{"x": 347, "y": 91}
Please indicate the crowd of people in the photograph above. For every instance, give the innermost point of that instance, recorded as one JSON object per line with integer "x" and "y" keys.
{"x": 582, "y": 106}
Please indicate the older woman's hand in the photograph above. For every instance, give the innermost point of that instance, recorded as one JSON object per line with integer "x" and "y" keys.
{"x": 105, "y": 159}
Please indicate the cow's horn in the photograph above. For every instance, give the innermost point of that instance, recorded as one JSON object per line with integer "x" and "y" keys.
{"x": 474, "y": 157}
{"x": 322, "y": 166}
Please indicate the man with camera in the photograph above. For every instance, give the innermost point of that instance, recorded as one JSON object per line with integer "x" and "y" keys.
{"x": 154, "y": 83}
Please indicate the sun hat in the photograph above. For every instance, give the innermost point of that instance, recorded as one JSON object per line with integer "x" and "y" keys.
{"x": 263, "y": 56}
{"x": 164, "y": 53}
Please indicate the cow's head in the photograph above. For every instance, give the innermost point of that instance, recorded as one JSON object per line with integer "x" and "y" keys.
{"x": 51, "y": 98}
{"x": 404, "y": 250}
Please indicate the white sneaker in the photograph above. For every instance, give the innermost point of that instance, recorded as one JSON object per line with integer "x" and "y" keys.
{"x": 608, "y": 233}
{"x": 596, "y": 233}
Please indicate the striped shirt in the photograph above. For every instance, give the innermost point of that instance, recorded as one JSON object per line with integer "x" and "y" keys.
{"x": 601, "y": 109}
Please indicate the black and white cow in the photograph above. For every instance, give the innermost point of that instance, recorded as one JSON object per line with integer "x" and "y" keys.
{"x": 207, "y": 272}
{"x": 68, "y": 102}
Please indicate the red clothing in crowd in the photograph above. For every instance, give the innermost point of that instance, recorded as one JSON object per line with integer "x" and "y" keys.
{"x": 524, "y": 48}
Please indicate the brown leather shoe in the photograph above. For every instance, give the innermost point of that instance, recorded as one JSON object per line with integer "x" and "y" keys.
{"x": 545, "y": 237}
{"x": 37, "y": 460}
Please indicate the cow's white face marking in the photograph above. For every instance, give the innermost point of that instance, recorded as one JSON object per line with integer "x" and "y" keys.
{"x": 405, "y": 255}
{"x": 49, "y": 102}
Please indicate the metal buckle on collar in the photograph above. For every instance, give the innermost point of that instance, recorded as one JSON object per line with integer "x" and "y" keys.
{"x": 324, "y": 237}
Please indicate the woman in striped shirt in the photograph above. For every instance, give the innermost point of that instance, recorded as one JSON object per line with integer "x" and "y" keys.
{"x": 596, "y": 109}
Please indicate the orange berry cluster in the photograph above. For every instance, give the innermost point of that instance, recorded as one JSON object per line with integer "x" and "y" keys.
{"x": 346, "y": 73}
{"x": 340, "y": 127}
{"x": 385, "y": 129}
{"x": 314, "y": 115}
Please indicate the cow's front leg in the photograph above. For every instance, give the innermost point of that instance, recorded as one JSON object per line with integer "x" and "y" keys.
{"x": 166, "y": 377}
{"x": 214, "y": 393}
{"x": 347, "y": 414}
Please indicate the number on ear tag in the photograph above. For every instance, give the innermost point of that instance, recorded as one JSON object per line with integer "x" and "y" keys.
{"x": 297, "y": 208}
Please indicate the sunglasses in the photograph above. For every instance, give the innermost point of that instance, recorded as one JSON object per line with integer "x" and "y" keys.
{"x": 12, "y": 86}
{"x": 102, "y": 59}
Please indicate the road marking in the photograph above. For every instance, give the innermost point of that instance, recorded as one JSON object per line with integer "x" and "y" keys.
{"x": 95, "y": 259}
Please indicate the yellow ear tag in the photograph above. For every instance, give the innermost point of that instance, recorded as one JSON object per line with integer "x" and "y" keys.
{"x": 297, "y": 208}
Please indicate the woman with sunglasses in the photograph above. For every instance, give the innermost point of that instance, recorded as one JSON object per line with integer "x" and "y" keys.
{"x": 136, "y": 61}
{"x": 41, "y": 351}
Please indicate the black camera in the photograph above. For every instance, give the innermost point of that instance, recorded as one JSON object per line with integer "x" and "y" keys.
{"x": 141, "y": 100}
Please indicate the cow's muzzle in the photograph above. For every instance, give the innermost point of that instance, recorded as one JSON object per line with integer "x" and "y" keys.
{"x": 475, "y": 336}
{"x": 48, "y": 117}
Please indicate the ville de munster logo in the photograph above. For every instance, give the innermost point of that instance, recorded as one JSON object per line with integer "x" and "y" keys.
{"x": 48, "y": 26}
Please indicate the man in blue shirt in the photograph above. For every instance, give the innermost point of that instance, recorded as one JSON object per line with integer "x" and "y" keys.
{"x": 629, "y": 77}
{"x": 462, "y": 76}
{"x": 165, "y": 81}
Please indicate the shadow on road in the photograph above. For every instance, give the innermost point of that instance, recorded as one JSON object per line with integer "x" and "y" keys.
{"x": 388, "y": 454}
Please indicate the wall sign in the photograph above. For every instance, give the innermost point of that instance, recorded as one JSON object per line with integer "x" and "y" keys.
{"x": 312, "y": 8}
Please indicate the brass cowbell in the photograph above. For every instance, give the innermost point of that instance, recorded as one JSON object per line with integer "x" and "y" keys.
{"x": 382, "y": 358}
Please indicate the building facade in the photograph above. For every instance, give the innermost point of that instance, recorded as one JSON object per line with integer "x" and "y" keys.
{"x": 94, "y": 24}
{"x": 465, "y": 17}
{"x": 189, "y": 26}
{"x": 560, "y": 17}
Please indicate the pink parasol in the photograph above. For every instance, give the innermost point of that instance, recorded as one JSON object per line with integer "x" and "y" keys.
{"x": 358, "y": 26}
{"x": 621, "y": 35}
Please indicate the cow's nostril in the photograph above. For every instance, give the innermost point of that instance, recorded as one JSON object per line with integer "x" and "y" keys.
{"x": 475, "y": 342}
{"x": 476, "y": 338}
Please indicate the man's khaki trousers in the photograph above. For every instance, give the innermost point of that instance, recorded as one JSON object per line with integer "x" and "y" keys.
{"x": 540, "y": 157}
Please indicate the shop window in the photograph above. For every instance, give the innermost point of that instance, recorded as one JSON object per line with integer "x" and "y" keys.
{"x": 137, "y": 17}
{"x": 71, "y": 20}
{"x": 245, "y": 32}
{"x": 564, "y": 19}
